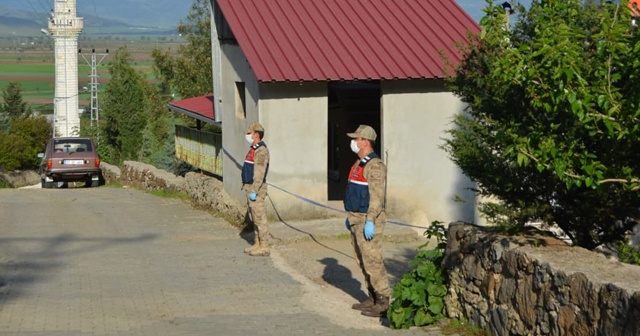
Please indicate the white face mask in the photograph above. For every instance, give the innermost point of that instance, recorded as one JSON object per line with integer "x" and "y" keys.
{"x": 354, "y": 146}
{"x": 249, "y": 138}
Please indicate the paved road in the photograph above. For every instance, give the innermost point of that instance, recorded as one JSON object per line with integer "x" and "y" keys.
{"x": 110, "y": 261}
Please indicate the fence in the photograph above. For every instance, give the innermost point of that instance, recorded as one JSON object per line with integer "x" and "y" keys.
{"x": 199, "y": 149}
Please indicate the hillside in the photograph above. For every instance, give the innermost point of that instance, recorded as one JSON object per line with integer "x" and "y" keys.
{"x": 27, "y": 17}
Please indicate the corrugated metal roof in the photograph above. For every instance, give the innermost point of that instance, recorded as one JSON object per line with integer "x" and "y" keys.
{"x": 311, "y": 40}
{"x": 200, "y": 107}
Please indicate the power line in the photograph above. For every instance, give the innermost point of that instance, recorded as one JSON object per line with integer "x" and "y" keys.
{"x": 38, "y": 14}
{"x": 95, "y": 9}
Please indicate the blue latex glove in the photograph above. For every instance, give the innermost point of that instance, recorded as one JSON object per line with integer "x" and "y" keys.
{"x": 347, "y": 224}
{"x": 252, "y": 196}
{"x": 369, "y": 230}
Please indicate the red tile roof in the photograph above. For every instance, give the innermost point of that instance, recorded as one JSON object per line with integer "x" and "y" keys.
{"x": 309, "y": 40}
{"x": 197, "y": 107}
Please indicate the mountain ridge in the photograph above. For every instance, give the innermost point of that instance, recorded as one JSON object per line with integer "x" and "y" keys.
{"x": 164, "y": 14}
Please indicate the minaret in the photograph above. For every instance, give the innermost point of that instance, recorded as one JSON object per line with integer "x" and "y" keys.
{"x": 64, "y": 28}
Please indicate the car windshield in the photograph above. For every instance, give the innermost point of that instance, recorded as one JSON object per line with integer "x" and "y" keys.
{"x": 72, "y": 145}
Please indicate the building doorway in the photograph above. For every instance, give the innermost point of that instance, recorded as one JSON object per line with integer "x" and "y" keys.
{"x": 350, "y": 105}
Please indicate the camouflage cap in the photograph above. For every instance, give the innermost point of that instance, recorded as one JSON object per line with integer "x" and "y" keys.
{"x": 365, "y": 132}
{"x": 255, "y": 126}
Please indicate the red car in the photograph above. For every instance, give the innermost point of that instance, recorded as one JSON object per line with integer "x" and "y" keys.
{"x": 70, "y": 160}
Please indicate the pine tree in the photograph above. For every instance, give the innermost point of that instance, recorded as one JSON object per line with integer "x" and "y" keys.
{"x": 13, "y": 106}
{"x": 123, "y": 114}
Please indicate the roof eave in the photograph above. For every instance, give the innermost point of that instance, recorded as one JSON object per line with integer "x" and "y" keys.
{"x": 193, "y": 114}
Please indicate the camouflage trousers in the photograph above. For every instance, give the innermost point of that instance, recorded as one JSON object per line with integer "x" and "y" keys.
{"x": 369, "y": 252}
{"x": 259, "y": 215}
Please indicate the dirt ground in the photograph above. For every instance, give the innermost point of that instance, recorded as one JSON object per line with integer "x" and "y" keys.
{"x": 331, "y": 277}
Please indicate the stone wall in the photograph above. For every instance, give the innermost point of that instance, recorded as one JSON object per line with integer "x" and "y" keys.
{"x": 18, "y": 179}
{"x": 204, "y": 191}
{"x": 537, "y": 285}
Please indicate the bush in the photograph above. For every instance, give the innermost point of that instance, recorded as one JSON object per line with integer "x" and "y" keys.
{"x": 419, "y": 296}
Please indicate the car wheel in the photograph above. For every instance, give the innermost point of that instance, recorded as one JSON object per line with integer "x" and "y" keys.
{"x": 48, "y": 185}
{"x": 88, "y": 183}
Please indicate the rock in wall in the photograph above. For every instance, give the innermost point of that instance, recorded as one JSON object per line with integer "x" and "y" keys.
{"x": 537, "y": 285}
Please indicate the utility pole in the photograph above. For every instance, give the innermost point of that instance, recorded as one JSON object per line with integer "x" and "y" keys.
{"x": 96, "y": 58}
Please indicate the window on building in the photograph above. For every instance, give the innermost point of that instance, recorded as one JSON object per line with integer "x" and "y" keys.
{"x": 241, "y": 100}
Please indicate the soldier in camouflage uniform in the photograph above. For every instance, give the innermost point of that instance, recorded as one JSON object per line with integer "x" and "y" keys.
{"x": 254, "y": 182}
{"x": 364, "y": 203}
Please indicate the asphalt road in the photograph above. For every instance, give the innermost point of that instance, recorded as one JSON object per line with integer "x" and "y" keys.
{"x": 111, "y": 261}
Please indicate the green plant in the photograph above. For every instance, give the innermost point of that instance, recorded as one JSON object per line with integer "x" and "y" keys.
{"x": 551, "y": 125}
{"x": 4, "y": 184}
{"x": 418, "y": 297}
{"x": 628, "y": 254}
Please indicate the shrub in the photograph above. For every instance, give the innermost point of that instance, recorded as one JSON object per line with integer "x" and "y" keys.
{"x": 419, "y": 296}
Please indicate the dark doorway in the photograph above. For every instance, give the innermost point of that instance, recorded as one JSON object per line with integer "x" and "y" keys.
{"x": 350, "y": 105}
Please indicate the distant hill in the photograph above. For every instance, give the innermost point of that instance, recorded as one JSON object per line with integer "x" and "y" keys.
{"x": 15, "y": 22}
{"x": 27, "y": 17}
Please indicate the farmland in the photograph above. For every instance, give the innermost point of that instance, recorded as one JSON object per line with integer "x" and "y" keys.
{"x": 30, "y": 62}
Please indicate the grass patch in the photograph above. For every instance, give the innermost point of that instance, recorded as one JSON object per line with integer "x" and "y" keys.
{"x": 114, "y": 184}
{"x": 170, "y": 194}
{"x": 462, "y": 328}
{"x": 159, "y": 193}
{"x": 344, "y": 236}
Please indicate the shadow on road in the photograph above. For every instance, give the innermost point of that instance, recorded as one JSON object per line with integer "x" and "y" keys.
{"x": 22, "y": 263}
{"x": 341, "y": 277}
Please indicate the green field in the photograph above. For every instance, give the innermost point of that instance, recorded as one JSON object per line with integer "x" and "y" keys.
{"x": 36, "y": 75}
{"x": 30, "y": 62}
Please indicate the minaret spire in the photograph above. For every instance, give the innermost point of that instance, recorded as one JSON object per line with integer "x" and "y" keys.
{"x": 65, "y": 27}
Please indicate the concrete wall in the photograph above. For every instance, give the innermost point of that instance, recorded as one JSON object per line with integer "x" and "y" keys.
{"x": 422, "y": 180}
{"x": 234, "y": 68}
{"x": 294, "y": 116}
{"x": 295, "y": 119}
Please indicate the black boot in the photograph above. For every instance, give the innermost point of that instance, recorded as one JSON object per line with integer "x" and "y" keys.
{"x": 379, "y": 308}
{"x": 368, "y": 303}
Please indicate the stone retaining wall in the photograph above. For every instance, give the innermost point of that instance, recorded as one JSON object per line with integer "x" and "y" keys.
{"x": 18, "y": 179}
{"x": 538, "y": 285}
{"x": 204, "y": 191}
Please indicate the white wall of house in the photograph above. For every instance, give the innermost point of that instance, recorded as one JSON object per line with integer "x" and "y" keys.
{"x": 294, "y": 116}
{"x": 422, "y": 181}
{"x": 234, "y": 68}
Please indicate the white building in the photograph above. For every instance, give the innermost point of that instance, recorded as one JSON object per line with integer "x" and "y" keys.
{"x": 311, "y": 71}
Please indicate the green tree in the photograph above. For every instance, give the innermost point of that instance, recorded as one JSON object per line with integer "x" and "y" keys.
{"x": 189, "y": 73}
{"x": 123, "y": 114}
{"x": 552, "y": 121}
{"x": 158, "y": 148}
{"x": 5, "y": 121}
{"x": 14, "y": 106}
{"x": 20, "y": 145}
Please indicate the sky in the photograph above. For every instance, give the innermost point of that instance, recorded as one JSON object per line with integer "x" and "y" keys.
{"x": 474, "y": 7}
